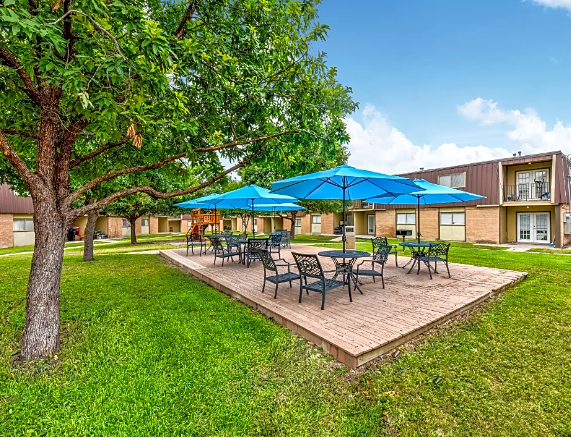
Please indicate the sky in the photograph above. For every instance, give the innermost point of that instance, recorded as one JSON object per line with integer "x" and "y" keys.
{"x": 445, "y": 82}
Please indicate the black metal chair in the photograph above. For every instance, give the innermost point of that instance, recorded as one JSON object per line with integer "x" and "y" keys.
{"x": 436, "y": 253}
{"x": 251, "y": 249}
{"x": 382, "y": 241}
{"x": 195, "y": 239}
{"x": 380, "y": 257}
{"x": 232, "y": 244}
{"x": 275, "y": 243}
{"x": 271, "y": 273}
{"x": 286, "y": 238}
{"x": 310, "y": 267}
{"x": 221, "y": 252}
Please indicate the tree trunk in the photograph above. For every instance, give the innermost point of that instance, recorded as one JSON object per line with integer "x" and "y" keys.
{"x": 132, "y": 221}
{"x": 41, "y": 328}
{"x": 88, "y": 240}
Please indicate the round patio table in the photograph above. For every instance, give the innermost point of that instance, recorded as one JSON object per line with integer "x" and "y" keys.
{"x": 344, "y": 261}
{"x": 418, "y": 250}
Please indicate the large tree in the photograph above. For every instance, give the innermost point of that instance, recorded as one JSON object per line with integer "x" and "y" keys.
{"x": 146, "y": 84}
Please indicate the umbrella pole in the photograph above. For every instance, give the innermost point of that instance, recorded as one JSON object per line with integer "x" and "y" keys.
{"x": 274, "y": 218}
{"x": 344, "y": 218}
{"x": 253, "y": 227}
{"x": 418, "y": 219}
{"x": 215, "y": 224}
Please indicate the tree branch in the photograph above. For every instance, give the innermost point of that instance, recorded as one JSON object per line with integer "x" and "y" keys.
{"x": 160, "y": 195}
{"x": 101, "y": 179}
{"x": 30, "y": 89}
{"x": 77, "y": 161}
{"x": 16, "y": 161}
{"x": 19, "y": 132}
{"x": 179, "y": 32}
{"x": 95, "y": 23}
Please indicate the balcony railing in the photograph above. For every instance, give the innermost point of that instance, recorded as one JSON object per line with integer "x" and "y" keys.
{"x": 537, "y": 191}
{"x": 362, "y": 205}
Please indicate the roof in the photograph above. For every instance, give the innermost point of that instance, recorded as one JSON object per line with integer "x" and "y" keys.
{"x": 506, "y": 160}
{"x": 10, "y": 202}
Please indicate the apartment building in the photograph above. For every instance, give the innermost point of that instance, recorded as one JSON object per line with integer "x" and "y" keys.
{"x": 527, "y": 201}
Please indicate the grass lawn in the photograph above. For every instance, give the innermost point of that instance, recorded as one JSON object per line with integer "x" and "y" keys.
{"x": 149, "y": 351}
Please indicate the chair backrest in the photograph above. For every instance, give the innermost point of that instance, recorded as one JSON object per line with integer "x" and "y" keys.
{"x": 378, "y": 241}
{"x": 308, "y": 265}
{"x": 257, "y": 243}
{"x": 267, "y": 259}
{"x": 193, "y": 237}
{"x": 440, "y": 249}
{"x": 381, "y": 254}
{"x": 231, "y": 240}
{"x": 244, "y": 236}
{"x": 276, "y": 239}
{"x": 216, "y": 244}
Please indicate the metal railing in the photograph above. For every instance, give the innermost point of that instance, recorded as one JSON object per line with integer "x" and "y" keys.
{"x": 357, "y": 205}
{"x": 536, "y": 191}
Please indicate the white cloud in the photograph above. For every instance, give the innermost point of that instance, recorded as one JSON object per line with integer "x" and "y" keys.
{"x": 378, "y": 146}
{"x": 555, "y": 4}
{"x": 529, "y": 133}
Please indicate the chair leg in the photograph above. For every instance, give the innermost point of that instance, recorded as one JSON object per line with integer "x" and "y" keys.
{"x": 396, "y": 259}
{"x": 300, "y": 289}
{"x": 276, "y": 293}
{"x": 264, "y": 285}
{"x": 323, "y": 300}
{"x": 429, "y": 270}
{"x": 382, "y": 280}
{"x": 447, "y": 269}
{"x": 349, "y": 289}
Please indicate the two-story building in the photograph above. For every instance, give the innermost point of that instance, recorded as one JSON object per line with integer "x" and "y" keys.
{"x": 527, "y": 201}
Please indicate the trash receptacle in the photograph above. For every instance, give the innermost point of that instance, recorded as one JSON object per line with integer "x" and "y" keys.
{"x": 350, "y": 235}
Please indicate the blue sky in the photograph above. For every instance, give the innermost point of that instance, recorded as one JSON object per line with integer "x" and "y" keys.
{"x": 413, "y": 64}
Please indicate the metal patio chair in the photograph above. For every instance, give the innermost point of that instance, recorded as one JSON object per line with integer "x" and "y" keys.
{"x": 195, "y": 239}
{"x": 232, "y": 244}
{"x": 382, "y": 241}
{"x": 436, "y": 253}
{"x": 286, "y": 238}
{"x": 275, "y": 243}
{"x": 251, "y": 249}
{"x": 271, "y": 273}
{"x": 380, "y": 257}
{"x": 309, "y": 266}
{"x": 221, "y": 252}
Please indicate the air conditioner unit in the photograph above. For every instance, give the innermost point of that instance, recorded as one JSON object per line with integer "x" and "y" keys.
{"x": 567, "y": 229}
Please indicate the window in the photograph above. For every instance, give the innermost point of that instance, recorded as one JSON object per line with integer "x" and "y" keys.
{"x": 144, "y": 222}
{"x": 126, "y": 223}
{"x": 23, "y": 225}
{"x": 452, "y": 218}
{"x": 316, "y": 219}
{"x": 298, "y": 222}
{"x": 406, "y": 218}
{"x": 453, "y": 180}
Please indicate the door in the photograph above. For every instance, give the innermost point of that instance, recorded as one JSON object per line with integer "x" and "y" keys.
{"x": 371, "y": 224}
{"x": 297, "y": 226}
{"x": 533, "y": 184}
{"x": 533, "y": 227}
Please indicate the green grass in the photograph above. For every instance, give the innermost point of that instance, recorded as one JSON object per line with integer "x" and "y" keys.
{"x": 149, "y": 351}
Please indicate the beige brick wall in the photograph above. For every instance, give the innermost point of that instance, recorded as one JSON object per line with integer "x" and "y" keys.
{"x": 385, "y": 223}
{"x": 115, "y": 227}
{"x": 483, "y": 224}
{"x": 429, "y": 223}
{"x": 138, "y": 226}
{"x": 327, "y": 223}
{"x": 306, "y": 224}
{"x": 153, "y": 225}
{"x": 566, "y": 238}
{"x": 6, "y": 231}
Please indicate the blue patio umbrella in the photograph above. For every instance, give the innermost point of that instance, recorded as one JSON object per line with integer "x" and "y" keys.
{"x": 280, "y": 207}
{"x": 209, "y": 201}
{"x": 431, "y": 194}
{"x": 344, "y": 183}
{"x": 246, "y": 198}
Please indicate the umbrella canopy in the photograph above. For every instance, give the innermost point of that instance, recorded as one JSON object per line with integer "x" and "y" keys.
{"x": 431, "y": 194}
{"x": 247, "y": 197}
{"x": 278, "y": 207}
{"x": 344, "y": 183}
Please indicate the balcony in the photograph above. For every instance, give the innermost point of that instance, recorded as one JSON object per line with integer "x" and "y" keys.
{"x": 361, "y": 205}
{"x": 537, "y": 191}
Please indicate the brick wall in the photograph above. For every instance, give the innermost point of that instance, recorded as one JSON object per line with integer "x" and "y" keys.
{"x": 483, "y": 224}
{"x": 385, "y": 223}
{"x": 6, "y": 231}
{"x": 327, "y": 223}
{"x": 153, "y": 225}
{"x": 115, "y": 226}
{"x": 306, "y": 224}
{"x": 429, "y": 223}
{"x": 138, "y": 226}
{"x": 565, "y": 238}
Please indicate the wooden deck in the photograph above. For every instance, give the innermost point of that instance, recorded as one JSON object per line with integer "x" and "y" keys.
{"x": 375, "y": 322}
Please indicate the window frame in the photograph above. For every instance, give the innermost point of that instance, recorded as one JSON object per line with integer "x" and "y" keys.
{"x": 26, "y": 220}
{"x": 315, "y": 216}
{"x": 452, "y": 215}
{"x": 451, "y": 176}
{"x": 406, "y": 220}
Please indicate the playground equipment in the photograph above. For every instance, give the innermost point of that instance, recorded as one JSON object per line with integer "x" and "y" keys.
{"x": 199, "y": 222}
